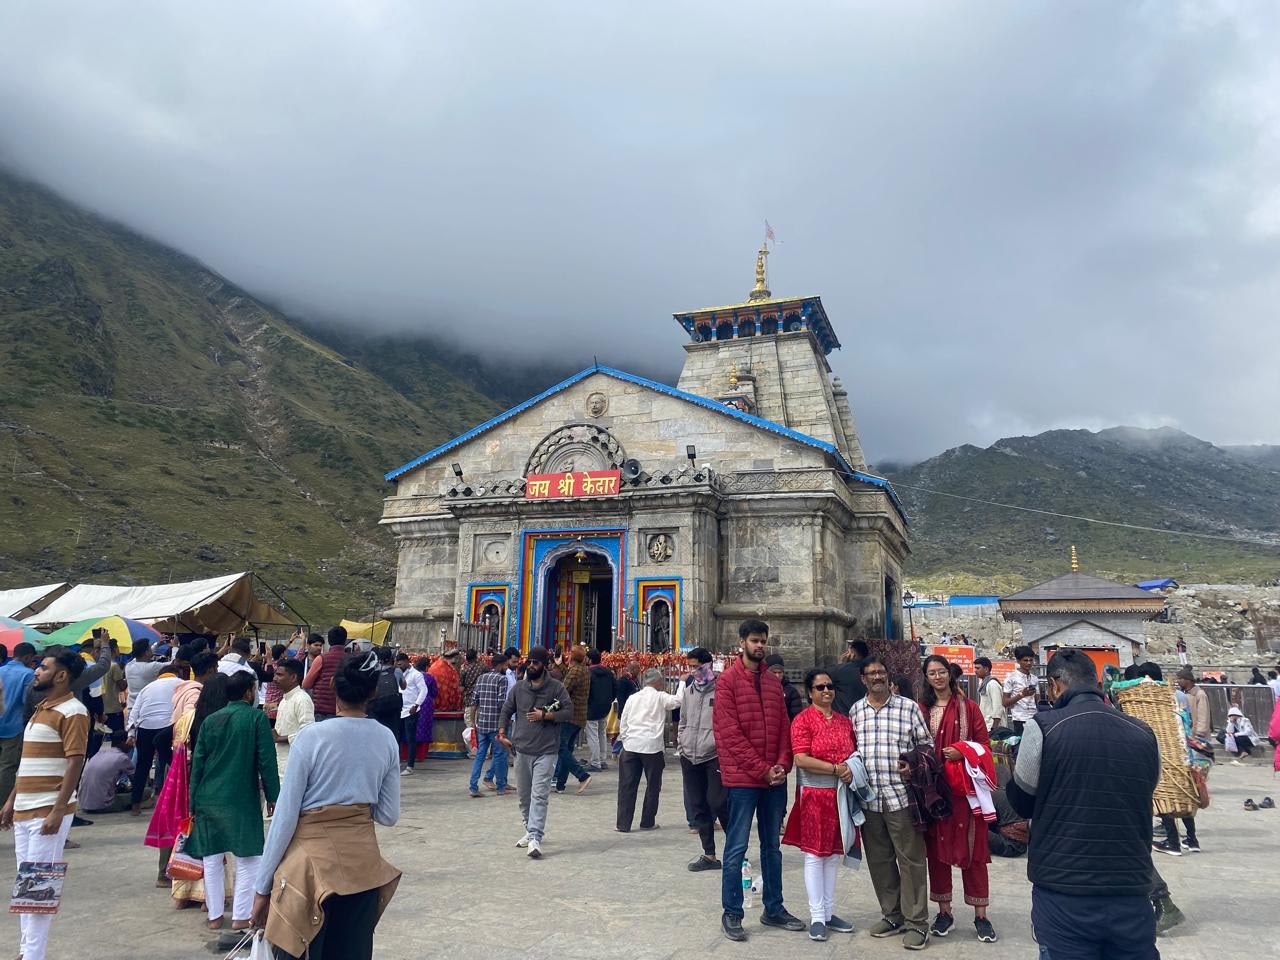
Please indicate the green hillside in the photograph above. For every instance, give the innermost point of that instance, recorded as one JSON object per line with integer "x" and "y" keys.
{"x": 157, "y": 423}
{"x": 1154, "y": 478}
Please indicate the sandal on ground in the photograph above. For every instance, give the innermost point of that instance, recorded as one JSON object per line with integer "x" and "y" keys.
{"x": 1250, "y": 805}
{"x": 1266, "y": 804}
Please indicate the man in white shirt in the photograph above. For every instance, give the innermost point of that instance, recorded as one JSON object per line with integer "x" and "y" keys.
{"x": 294, "y": 711}
{"x": 237, "y": 659}
{"x": 641, "y": 729}
{"x": 150, "y": 726}
{"x": 990, "y": 694}
{"x": 412, "y": 695}
{"x": 141, "y": 670}
{"x": 1020, "y": 689}
{"x": 1273, "y": 681}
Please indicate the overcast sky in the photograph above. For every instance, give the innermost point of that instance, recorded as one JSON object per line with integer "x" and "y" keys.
{"x": 1018, "y": 215}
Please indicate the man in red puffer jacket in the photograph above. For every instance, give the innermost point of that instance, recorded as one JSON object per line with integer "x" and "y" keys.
{"x": 753, "y": 739}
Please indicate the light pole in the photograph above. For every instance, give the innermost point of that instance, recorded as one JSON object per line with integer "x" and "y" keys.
{"x": 909, "y": 601}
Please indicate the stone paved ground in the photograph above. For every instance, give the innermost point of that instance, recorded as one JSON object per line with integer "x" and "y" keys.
{"x": 469, "y": 893}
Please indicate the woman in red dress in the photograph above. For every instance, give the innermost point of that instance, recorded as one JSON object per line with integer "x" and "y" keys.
{"x": 821, "y": 741}
{"x": 961, "y": 839}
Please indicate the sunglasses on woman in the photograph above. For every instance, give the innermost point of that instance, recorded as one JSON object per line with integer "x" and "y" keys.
{"x": 824, "y": 686}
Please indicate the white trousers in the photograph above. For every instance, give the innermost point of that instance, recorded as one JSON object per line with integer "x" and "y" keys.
{"x": 31, "y": 845}
{"x": 215, "y": 892}
{"x": 820, "y": 885}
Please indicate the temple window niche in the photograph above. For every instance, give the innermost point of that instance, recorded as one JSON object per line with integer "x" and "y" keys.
{"x": 724, "y": 330}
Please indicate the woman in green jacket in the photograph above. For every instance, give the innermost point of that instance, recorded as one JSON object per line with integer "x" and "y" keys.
{"x": 234, "y": 755}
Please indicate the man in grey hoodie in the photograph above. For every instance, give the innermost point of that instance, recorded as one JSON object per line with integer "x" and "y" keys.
{"x": 699, "y": 763}
{"x": 534, "y": 708}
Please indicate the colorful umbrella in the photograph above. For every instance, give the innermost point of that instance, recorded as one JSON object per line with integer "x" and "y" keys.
{"x": 121, "y": 629}
{"x": 15, "y": 632}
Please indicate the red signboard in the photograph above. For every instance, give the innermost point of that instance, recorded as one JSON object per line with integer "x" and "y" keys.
{"x": 589, "y": 483}
{"x": 1002, "y": 668}
{"x": 957, "y": 653}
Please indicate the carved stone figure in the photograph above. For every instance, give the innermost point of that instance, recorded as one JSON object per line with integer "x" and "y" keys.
{"x": 660, "y": 549}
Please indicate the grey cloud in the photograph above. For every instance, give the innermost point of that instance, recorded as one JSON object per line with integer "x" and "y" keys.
{"x": 1019, "y": 216}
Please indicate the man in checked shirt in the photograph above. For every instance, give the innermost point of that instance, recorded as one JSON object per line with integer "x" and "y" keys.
{"x": 886, "y": 726}
{"x": 489, "y": 695}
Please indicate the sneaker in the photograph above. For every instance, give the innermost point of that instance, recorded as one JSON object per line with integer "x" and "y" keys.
{"x": 1168, "y": 915}
{"x": 783, "y": 921}
{"x": 406, "y": 771}
{"x": 79, "y": 821}
{"x": 986, "y": 932}
{"x": 942, "y": 924}
{"x": 732, "y": 927}
{"x": 1166, "y": 846}
{"x": 817, "y": 931}
{"x": 474, "y": 794}
{"x": 503, "y": 792}
{"x": 704, "y": 863}
{"x": 915, "y": 940}
{"x": 886, "y": 928}
{"x": 1192, "y": 845}
{"x": 525, "y": 840}
{"x": 836, "y": 925}
{"x": 535, "y": 849}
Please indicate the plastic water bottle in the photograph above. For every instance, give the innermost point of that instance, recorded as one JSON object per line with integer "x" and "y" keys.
{"x": 748, "y": 898}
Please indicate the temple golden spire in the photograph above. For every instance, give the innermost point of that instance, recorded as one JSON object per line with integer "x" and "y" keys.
{"x": 733, "y": 375}
{"x": 761, "y": 290}
{"x": 1075, "y": 561}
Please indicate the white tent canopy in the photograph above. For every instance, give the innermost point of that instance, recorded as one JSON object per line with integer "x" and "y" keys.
{"x": 27, "y": 600}
{"x": 219, "y": 605}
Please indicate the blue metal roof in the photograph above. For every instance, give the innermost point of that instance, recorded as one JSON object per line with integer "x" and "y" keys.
{"x": 1157, "y": 584}
{"x": 760, "y": 422}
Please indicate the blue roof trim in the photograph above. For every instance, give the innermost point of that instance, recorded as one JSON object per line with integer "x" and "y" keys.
{"x": 670, "y": 391}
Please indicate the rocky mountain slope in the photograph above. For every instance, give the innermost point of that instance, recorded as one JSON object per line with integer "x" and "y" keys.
{"x": 157, "y": 422}
{"x": 1161, "y": 478}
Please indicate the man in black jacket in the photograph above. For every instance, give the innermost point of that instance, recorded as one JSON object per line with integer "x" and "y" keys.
{"x": 1084, "y": 777}
{"x": 778, "y": 667}
{"x": 599, "y": 703}
{"x": 847, "y": 676}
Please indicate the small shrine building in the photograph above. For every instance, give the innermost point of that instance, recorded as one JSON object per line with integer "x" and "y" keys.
{"x": 1101, "y": 617}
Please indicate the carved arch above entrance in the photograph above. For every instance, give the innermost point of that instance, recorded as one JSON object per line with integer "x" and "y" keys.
{"x": 576, "y": 447}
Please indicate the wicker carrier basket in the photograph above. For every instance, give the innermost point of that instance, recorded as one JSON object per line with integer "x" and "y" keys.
{"x": 1154, "y": 704}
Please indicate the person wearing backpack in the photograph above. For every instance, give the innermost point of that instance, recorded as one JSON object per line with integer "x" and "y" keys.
{"x": 386, "y": 703}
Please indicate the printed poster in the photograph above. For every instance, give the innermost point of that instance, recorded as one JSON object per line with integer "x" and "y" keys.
{"x": 38, "y": 888}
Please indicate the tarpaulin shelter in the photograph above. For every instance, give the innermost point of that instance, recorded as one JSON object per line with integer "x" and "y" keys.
{"x": 218, "y": 606}
{"x": 26, "y": 601}
{"x": 375, "y": 631}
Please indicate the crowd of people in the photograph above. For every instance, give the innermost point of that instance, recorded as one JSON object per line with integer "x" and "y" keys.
{"x": 202, "y": 739}
{"x": 892, "y": 771}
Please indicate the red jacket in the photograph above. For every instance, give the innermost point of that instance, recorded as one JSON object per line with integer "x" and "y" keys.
{"x": 749, "y": 718}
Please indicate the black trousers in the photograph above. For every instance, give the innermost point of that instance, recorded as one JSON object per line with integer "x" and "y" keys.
{"x": 153, "y": 745}
{"x": 630, "y": 766}
{"x": 1171, "y": 830}
{"x": 704, "y": 798}
{"x": 347, "y": 932}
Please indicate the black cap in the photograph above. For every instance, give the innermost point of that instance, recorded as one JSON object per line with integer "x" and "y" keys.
{"x": 774, "y": 660}
{"x": 538, "y": 654}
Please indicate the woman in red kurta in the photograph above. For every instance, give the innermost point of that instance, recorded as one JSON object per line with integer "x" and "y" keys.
{"x": 961, "y": 839}
{"x": 821, "y": 742}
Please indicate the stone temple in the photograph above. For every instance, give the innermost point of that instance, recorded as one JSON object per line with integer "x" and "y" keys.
{"x": 614, "y": 509}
